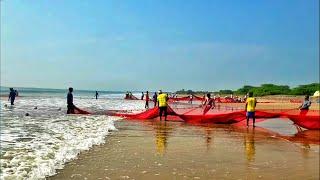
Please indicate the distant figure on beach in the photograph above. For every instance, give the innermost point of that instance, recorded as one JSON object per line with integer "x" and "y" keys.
{"x": 251, "y": 103}
{"x": 304, "y": 107}
{"x": 244, "y": 97}
{"x": 17, "y": 93}
{"x": 70, "y": 104}
{"x": 306, "y": 104}
{"x": 142, "y": 96}
{"x": 147, "y": 101}
{"x": 162, "y": 104}
{"x": 154, "y": 98}
{"x": 130, "y": 95}
{"x": 12, "y": 96}
{"x": 190, "y": 98}
{"x": 208, "y": 103}
{"x": 97, "y": 94}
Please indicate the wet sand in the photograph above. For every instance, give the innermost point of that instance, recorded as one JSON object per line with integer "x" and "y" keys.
{"x": 175, "y": 150}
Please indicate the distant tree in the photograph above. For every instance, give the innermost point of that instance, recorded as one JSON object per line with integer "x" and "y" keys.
{"x": 190, "y": 92}
{"x": 307, "y": 89}
{"x": 226, "y": 91}
{"x": 265, "y": 89}
{"x": 244, "y": 90}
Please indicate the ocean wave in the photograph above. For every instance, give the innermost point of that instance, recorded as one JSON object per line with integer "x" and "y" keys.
{"x": 35, "y": 146}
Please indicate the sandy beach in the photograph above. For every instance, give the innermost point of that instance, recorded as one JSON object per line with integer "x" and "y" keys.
{"x": 50, "y": 144}
{"x": 85, "y": 84}
{"x": 175, "y": 150}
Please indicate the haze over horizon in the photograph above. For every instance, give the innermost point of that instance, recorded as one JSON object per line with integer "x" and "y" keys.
{"x": 151, "y": 45}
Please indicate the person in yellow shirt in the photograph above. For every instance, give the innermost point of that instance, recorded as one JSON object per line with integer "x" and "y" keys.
{"x": 251, "y": 103}
{"x": 162, "y": 104}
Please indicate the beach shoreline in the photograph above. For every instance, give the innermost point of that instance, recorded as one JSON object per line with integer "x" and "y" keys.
{"x": 176, "y": 150}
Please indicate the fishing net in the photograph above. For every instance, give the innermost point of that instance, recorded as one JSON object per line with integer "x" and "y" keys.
{"x": 308, "y": 119}
{"x": 222, "y": 113}
{"x": 131, "y": 97}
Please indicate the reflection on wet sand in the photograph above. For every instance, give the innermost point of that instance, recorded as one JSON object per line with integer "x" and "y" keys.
{"x": 249, "y": 146}
{"x": 304, "y": 137}
{"x": 176, "y": 150}
{"x": 208, "y": 137}
{"x": 162, "y": 130}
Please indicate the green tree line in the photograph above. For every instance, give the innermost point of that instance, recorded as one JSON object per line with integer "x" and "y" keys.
{"x": 265, "y": 89}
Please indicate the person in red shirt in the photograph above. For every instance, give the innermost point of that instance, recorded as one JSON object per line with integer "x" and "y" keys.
{"x": 147, "y": 100}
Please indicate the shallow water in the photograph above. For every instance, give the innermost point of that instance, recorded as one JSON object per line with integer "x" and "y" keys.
{"x": 35, "y": 146}
{"x": 49, "y": 142}
{"x": 175, "y": 150}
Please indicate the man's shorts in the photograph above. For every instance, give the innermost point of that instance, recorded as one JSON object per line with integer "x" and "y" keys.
{"x": 250, "y": 114}
{"x": 163, "y": 110}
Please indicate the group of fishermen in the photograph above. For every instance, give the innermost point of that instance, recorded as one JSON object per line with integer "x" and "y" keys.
{"x": 160, "y": 100}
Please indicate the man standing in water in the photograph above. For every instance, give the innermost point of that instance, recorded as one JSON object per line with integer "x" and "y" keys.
{"x": 70, "y": 102}
{"x": 251, "y": 103}
{"x": 97, "y": 94}
{"x": 12, "y": 96}
{"x": 162, "y": 103}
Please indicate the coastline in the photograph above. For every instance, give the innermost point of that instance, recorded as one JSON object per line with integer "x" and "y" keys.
{"x": 175, "y": 150}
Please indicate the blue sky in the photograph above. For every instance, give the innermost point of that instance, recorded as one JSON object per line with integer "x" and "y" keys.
{"x": 159, "y": 44}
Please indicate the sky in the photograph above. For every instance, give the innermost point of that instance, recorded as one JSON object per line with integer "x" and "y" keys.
{"x": 158, "y": 44}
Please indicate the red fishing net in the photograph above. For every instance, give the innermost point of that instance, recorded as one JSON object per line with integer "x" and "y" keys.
{"x": 80, "y": 111}
{"x": 309, "y": 119}
{"x": 131, "y": 97}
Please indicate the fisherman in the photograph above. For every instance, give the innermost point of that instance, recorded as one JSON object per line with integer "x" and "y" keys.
{"x": 306, "y": 103}
{"x": 162, "y": 104}
{"x": 190, "y": 98}
{"x": 147, "y": 101}
{"x": 154, "y": 98}
{"x": 97, "y": 94}
{"x": 17, "y": 93}
{"x": 304, "y": 107}
{"x": 208, "y": 103}
{"x": 251, "y": 103}
{"x": 70, "y": 104}
{"x": 12, "y": 96}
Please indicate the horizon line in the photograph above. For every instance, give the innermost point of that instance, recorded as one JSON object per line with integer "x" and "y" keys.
{"x": 150, "y": 91}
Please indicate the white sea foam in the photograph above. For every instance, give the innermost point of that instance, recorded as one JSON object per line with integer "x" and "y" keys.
{"x": 33, "y": 147}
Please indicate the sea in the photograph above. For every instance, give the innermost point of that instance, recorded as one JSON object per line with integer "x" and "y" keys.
{"x": 36, "y": 146}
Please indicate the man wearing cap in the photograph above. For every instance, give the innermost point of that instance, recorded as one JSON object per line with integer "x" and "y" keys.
{"x": 162, "y": 104}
